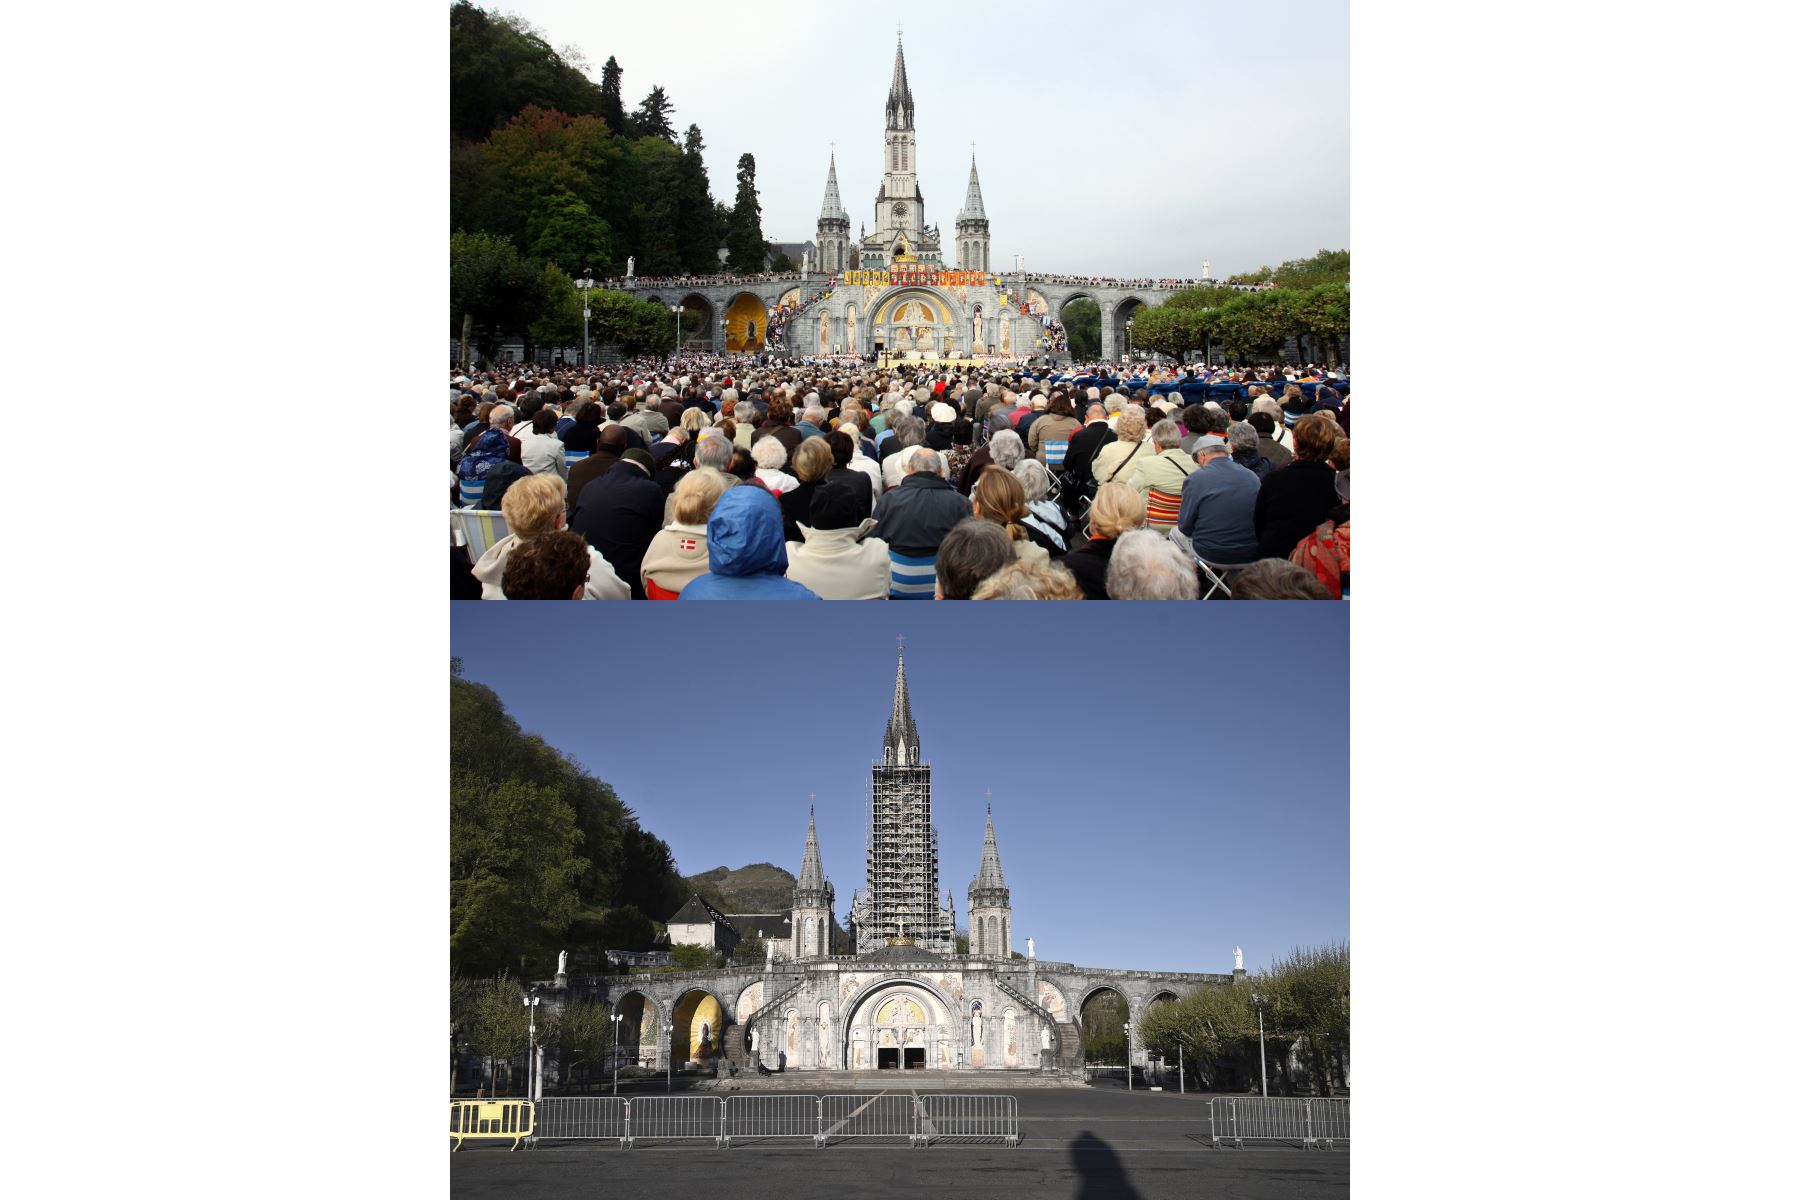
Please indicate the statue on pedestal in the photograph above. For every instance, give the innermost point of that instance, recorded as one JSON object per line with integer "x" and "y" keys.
{"x": 631, "y": 266}
{"x": 1030, "y": 947}
{"x": 1237, "y": 954}
{"x": 562, "y": 962}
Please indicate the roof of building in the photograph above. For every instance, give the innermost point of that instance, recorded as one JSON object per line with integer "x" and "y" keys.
{"x": 771, "y": 926}
{"x": 898, "y": 954}
{"x": 697, "y": 910}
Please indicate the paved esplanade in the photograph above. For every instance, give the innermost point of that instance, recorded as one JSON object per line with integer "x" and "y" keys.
{"x": 943, "y": 316}
{"x": 907, "y": 999}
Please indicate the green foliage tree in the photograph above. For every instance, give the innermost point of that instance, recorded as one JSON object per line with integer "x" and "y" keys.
{"x": 493, "y": 289}
{"x": 696, "y": 958}
{"x": 499, "y": 64}
{"x": 652, "y": 116}
{"x": 696, "y": 229}
{"x": 493, "y": 1021}
{"x": 746, "y": 249}
{"x": 581, "y": 1037}
{"x": 784, "y": 263}
{"x": 750, "y": 951}
{"x": 559, "y": 323}
{"x": 612, "y": 104}
{"x": 1081, "y": 320}
{"x": 564, "y": 232}
{"x": 1309, "y": 998}
{"x": 653, "y": 167}
{"x": 1210, "y": 1030}
{"x": 636, "y": 326}
{"x": 1103, "y": 1028}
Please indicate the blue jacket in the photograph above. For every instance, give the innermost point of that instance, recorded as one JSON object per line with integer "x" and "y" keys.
{"x": 745, "y": 551}
{"x": 1218, "y": 508}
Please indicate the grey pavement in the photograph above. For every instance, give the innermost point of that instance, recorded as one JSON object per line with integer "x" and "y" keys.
{"x": 1082, "y": 1143}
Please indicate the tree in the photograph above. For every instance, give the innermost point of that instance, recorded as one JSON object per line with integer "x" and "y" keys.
{"x": 1212, "y": 1029}
{"x": 784, "y": 263}
{"x": 565, "y": 232}
{"x": 560, "y": 322}
{"x": 499, "y": 64}
{"x": 746, "y": 249}
{"x": 750, "y": 951}
{"x": 652, "y": 116}
{"x": 1309, "y": 998}
{"x": 696, "y": 231}
{"x": 493, "y": 1021}
{"x": 1103, "y": 1028}
{"x": 493, "y": 291}
{"x": 1081, "y": 320}
{"x": 696, "y": 958}
{"x": 581, "y": 1036}
{"x": 612, "y": 106}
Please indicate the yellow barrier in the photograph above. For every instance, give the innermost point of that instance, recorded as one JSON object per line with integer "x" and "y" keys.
{"x": 483, "y": 1119}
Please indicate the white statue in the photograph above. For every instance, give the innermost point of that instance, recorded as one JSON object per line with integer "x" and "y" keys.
{"x": 631, "y": 266}
{"x": 1044, "y": 1036}
{"x": 1237, "y": 953}
{"x": 562, "y": 962}
{"x": 769, "y": 950}
{"x": 1030, "y": 947}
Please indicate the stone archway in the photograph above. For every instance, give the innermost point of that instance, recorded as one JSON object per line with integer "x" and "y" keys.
{"x": 1123, "y": 313}
{"x": 917, "y": 323}
{"x": 637, "y": 1029}
{"x": 901, "y": 1022}
{"x": 697, "y": 319}
{"x": 699, "y": 1034}
{"x": 746, "y": 323}
{"x": 1104, "y": 1010}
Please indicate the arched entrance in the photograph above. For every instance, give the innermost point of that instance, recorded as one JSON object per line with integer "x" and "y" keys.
{"x": 746, "y": 324}
{"x": 1123, "y": 312}
{"x": 1104, "y": 1012}
{"x": 1078, "y": 322}
{"x": 902, "y": 1024}
{"x": 699, "y": 1028}
{"x": 917, "y": 324}
{"x": 637, "y": 1030}
{"x": 697, "y": 321}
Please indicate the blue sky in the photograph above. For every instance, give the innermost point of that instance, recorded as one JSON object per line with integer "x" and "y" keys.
{"x": 1169, "y": 780}
{"x": 1136, "y": 139}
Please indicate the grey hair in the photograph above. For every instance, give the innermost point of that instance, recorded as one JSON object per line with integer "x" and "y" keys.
{"x": 924, "y": 458}
{"x": 501, "y": 416}
{"x": 715, "y": 451}
{"x": 813, "y": 413}
{"x": 1147, "y": 566}
{"x": 1034, "y": 476}
{"x": 1166, "y": 434}
{"x": 1241, "y": 435}
{"x": 910, "y": 430}
{"x": 1114, "y": 403}
{"x": 769, "y": 453}
{"x": 1007, "y": 448}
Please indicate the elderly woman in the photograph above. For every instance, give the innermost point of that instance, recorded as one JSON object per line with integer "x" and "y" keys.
{"x": 780, "y": 424}
{"x": 1044, "y": 518}
{"x": 908, "y": 432}
{"x": 533, "y": 507}
{"x": 1000, "y": 497}
{"x": 1118, "y": 460}
{"x": 1117, "y": 510}
{"x": 677, "y": 554}
{"x": 811, "y": 463}
{"x": 1058, "y": 424}
{"x": 848, "y": 466}
{"x": 1294, "y": 500}
{"x": 771, "y": 455}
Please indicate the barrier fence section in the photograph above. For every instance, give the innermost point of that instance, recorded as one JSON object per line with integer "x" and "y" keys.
{"x": 950, "y": 1115}
{"x": 581, "y": 1117}
{"x": 1279, "y": 1118}
{"x": 490, "y": 1120}
{"x": 667, "y": 1118}
{"x": 885, "y": 1115}
{"x": 761, "y": 1118}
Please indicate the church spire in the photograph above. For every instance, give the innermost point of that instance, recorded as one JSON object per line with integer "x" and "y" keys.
{"x": 901, "y": 745}
{"x": 989, "y": 876}
{"x": 972, "y": 209}
{"x": 899, "y": 101}
{"x": 833, "y": 207}
{"x": 812, "y": 870}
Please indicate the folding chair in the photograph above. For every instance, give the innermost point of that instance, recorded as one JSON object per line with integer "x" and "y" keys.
{"x": 1161, "y": 509}
{"x": 571, "y": 457}
{"x": 470, "y": 490}
{"x": 911, "y": 577}
{"x": 477, "y": 528}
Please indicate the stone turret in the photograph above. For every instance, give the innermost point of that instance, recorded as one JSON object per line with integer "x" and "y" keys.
{"x": 972, "y": 226}
{"x": 990, "y": 903}
{"x": 813, "y": 900}
{"x": 834, "y": 226}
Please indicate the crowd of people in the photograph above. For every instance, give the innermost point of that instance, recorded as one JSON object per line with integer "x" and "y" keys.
{"x": 1140, "y": 282}
{"x": 723, "y": 277}
{"x": 734, "y": 477}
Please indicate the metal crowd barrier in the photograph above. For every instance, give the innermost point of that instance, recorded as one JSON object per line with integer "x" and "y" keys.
{"x": 490, "y": 1120}
{"x": 668, "y": 1118}
{"x": 953, "y": 1115}
{"x": 761, "y": 1118}
{"x": 1279, "y": 1118}
{"x": 594, "y": 1118}
{"x": 886, "y": 1115}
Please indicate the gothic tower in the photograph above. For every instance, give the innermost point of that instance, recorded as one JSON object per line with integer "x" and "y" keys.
{"x": 972, "y": 227}
{"x": 834, "y": 227}
{"x": 813, "y": 898}
{"x": 990, "y": 903}
{"x": 902, "y": 893}
{"x": 899, "y": 206}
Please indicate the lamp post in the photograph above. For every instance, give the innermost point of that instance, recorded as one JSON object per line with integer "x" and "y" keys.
{"x": 677, "y": 310}
{"x": 530, "y": 1003}
{"x": 1128, "y": 321}
{"x": 584, "y": 285}
{"x": 1261, "y": 1054}
{"x": 616, "y": 1018}
{"x": 1128, "y": 1056}
{"x": 670, "y": 1030}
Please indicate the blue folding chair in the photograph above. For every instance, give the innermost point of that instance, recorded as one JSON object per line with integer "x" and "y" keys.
{"x": 470, "y": 490}
{"x": 911, "y": 577}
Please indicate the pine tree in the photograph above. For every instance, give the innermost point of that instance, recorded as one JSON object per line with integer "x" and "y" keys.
{"x": 612, "y": 107}
{"x": 696, "y": 239}
{"x": 652, "y": 117}
{"x": 744, "y": 239}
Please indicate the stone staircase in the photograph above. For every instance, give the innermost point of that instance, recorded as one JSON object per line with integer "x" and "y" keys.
{"x": 1068, "y": 1038}
{"x": 737, "y": 1037}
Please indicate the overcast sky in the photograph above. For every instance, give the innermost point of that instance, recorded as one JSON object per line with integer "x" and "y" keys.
{"x": 1119, "y": 139}
{"x": 1169, "y": 780}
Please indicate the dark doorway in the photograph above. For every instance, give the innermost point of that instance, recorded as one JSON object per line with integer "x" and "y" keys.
{"x": 915, "y": 1058}
{"x": 887, "y": 1058}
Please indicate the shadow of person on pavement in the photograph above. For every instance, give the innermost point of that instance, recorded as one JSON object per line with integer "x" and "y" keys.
{"x": 1102, "y": 1174}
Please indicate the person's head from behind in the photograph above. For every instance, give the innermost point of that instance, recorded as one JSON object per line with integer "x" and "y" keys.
{"x": 501, "y": 418}
{"x": 1262, "y": 422}
{"x": 553, "y": 566}
{"x": 1241, "y": 437}
{"x": 1034, "y": 477}
{"x": 533, "y": 506}
{"x": 1006, "y": 448}
{"x": 1117, "y": 509}
{"x": 998, "y": 496}
{"x": 969, "y": 553}
{"x": 543, "y": 421}
{"x": 1131, "y": 425}
{"x": 812, "y": 459}
{"x": 1165, "y": 435}
{"x": 1276, "y": 579}
{"x": 1030, "y": 581}
{"x": 923, "y": 460}
{"x": 1314, "y": 437}
{"x": 714, "y": 450}
{"x": 769, "y": 453}
{"x": 1095, "y": 412}
{"x": 1193, "y": 418}
{"x": 842, "y": 446}
{"x": 1148, "y": 566}
{"x": 697, "y": 492}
